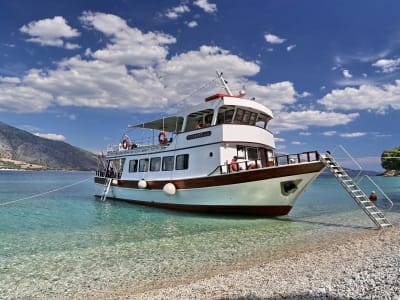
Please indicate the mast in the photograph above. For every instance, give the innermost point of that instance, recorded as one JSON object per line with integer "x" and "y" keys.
{"x": 224, "y": 83}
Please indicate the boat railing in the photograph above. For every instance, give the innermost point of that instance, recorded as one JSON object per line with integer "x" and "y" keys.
{"x": 277, "y": 161}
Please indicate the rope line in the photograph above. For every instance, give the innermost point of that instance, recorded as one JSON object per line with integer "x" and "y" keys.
{"x": 45, "y": 193}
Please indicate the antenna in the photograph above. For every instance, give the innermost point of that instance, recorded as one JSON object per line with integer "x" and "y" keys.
{"x": 224, "y": 83}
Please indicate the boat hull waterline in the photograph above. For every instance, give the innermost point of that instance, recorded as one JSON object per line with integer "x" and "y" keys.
{"x": 267, "y": 191}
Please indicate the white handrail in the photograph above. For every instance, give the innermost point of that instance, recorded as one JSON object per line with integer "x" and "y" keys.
{"x": 351, "y": 157}
{"x": 380, "y": 190}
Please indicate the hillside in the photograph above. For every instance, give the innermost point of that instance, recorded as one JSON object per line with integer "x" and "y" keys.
{"x": 20, "y": 149}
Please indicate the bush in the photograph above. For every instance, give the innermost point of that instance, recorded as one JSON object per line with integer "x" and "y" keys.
{"x": 390, "y": 159}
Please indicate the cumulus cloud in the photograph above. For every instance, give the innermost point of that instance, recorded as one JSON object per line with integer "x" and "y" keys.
{"x": 23, "y": 99}
{"x": 51, "y": 32}
{"x": 206, "y": 6}
{"x": 347, "y": 74}
{"x": 128, "y": 45}
{"x": 367, "y": 97}
{"x": 176, "y": 12}
{"x": 51, "y": 136}
{"x": 304, "y": 119}
{"x": 387, "y": 65}
{"x": 132, "y": 70}
{"x": 192, "y": 24}
{"x": 273, "y": 39}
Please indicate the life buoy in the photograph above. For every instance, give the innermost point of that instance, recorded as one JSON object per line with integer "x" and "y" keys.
{"x": 125, "y": 144}
{"x": 162, "y": 137}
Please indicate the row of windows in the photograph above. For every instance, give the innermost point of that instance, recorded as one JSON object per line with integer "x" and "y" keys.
{"x": 154, "y": 164}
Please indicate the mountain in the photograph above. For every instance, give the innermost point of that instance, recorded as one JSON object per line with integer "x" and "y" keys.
{"x": 23, "y": 150}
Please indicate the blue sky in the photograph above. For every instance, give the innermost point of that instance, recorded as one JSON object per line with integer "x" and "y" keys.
{"x": 81, "y": 71}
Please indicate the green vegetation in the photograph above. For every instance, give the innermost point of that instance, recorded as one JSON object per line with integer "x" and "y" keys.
{"x": 390, "y": 159}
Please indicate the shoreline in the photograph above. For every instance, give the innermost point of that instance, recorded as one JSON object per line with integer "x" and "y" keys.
{"x": 361, "y": 265}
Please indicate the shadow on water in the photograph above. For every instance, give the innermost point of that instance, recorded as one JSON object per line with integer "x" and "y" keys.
{"x": 286, "y": 297}
{"x": 324, "y": 224}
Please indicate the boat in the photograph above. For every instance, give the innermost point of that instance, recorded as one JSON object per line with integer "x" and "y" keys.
{"x": 217, "y": 156}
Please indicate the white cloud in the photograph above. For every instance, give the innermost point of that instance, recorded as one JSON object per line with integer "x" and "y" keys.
{"x": 367, "y": 97}
{"x": 273, "y": 39}
{"x": 304, "y": 119}
{"x": 51, "y": 136}
{"x": 290, "y": 48}
{"x": 305, "y": 133}
{"x": 176, "y": 12}
{"x": 347, "y": 74}
{"x": 103, "y": 78}
{"x": 275, "y": 96}
{"x": 50, "y": 32}
{"x": 206, "y": 6}
{"x": 192, "y": 24}
{"x": 352, "y": 134}
{"x": 329, "y": 133}
{"x": 12, "y": 80}
{"x": 128, "y": 45}
{"x": 23, "y": 99}
{"x": 387, "y": 65}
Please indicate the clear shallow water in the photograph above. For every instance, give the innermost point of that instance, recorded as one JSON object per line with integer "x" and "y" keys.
{"x": 68, "y": 242}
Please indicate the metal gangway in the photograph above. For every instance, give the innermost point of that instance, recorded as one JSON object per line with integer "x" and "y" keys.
{"x": 107, "y": 184}
{"x": 352, "y": 187}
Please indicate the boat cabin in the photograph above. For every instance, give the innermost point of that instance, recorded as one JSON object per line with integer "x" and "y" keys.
{"x": 224, "y": 134}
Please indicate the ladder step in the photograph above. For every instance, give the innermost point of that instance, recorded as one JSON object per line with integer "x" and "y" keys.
{"x": 355, "y": 192}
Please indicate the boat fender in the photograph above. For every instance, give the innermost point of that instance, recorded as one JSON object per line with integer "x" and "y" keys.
{"x": 169, "y": 189}
{"x": 114, "y": 182}
{"x": 142, "y": 184}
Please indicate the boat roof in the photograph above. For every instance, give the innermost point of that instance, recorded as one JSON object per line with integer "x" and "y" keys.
{"x": 168, "y": 124}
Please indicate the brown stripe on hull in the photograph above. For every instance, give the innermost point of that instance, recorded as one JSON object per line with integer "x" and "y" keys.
{"x": 268, "y": 211}
{"x": 226, "y": 179}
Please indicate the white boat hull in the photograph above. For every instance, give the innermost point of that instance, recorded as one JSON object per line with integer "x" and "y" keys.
{"x": 251, "y": 195}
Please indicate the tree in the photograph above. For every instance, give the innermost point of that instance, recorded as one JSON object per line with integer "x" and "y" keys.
{"x": 390, "y": 159}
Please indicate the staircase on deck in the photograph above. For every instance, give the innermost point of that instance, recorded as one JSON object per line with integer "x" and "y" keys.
{"x": 355, "y": 191}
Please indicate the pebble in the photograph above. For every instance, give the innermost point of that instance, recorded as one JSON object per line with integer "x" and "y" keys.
{"x": 363, "y": 267}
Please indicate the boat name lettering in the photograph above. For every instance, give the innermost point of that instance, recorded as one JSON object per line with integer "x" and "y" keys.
{"x": 198, "y": 135}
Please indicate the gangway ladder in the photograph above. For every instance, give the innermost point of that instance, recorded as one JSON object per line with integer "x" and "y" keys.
{"x": 355, "y": 192}
{"x": 107, "y": 184}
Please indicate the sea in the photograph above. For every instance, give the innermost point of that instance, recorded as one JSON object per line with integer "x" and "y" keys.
{"x": 58, "y": 240}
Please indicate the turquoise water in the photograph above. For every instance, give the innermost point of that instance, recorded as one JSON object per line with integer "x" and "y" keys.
{"x": 68, "y": 242}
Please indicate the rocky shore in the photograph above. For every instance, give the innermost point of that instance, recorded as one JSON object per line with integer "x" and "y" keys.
{"x": 361, "y": 266}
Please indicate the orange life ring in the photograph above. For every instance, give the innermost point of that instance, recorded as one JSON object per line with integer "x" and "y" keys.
{"x": 125, "y": 143}
{"x": 162, "y": 137}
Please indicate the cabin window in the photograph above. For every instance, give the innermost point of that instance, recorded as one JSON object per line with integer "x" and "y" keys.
{"x": 144, "y": 165}
{"x": 225, "y": 115}
{"x": 168, "y": 163}
{"x": 252, "y": 153}
{"x": 199, "y": 119}
{"x": 182, "y": 162}
{"x": 252, "y": 119}
{"x": 241, "y": 152}
{"x": 155, "y": 164}
{"x": 262, "y": 121}
{"x": 133, "y": 164}
{"x": 239, "y": 115}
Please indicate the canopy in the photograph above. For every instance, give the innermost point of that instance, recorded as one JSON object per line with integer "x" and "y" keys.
{"x": 168, "y": 124}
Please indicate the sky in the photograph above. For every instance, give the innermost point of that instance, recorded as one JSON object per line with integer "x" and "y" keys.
{"x": 82, "y": 71}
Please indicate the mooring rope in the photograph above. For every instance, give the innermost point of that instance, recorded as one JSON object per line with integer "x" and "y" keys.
{"x": 48, "y": 192}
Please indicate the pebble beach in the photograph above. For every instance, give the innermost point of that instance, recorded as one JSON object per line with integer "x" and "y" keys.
{"x": 364, "y": 265}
